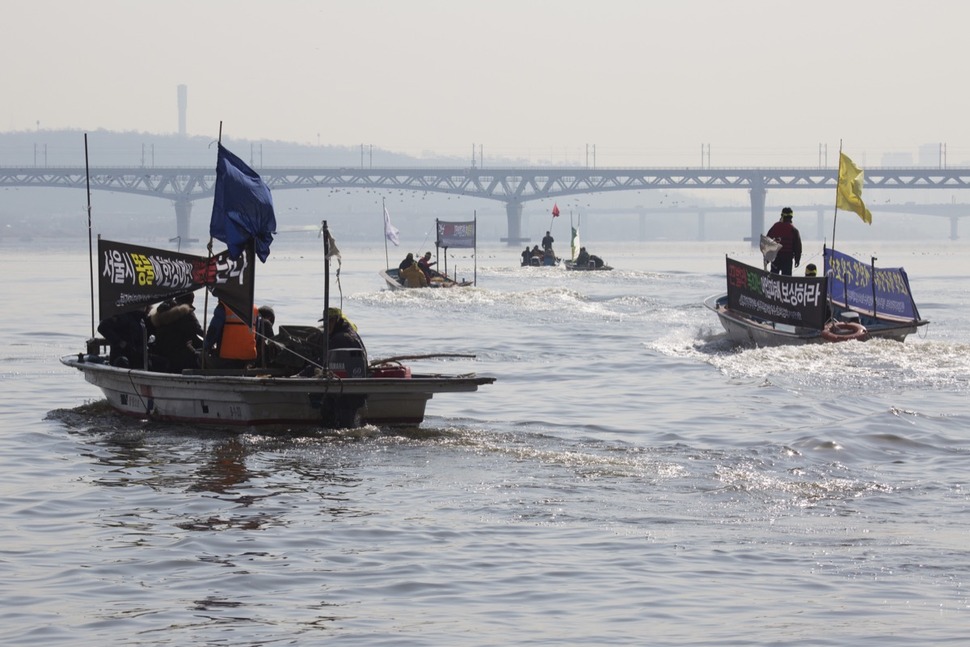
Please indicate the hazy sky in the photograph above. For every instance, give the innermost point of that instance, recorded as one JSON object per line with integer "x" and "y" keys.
{"x": 645, "y": 82}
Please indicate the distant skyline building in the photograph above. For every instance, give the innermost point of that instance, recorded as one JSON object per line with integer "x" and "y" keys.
{"x": 931, "y": 155}
{"x": 183, "y": 92}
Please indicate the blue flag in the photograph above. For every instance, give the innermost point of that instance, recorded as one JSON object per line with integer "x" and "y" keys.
{"x": 242, "y": 208}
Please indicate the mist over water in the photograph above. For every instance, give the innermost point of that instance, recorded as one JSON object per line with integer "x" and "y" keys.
{"x": 629, "y": 479}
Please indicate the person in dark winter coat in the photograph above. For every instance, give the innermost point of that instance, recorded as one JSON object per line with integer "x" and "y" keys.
{"x": 265, "y": 335}
{"x": 785, "y": 233}
{"x": 343, "y": 333}
{"x": 126, "y": 334}
{"x": 547, "y": 242}
{"x": 178, "y": 335}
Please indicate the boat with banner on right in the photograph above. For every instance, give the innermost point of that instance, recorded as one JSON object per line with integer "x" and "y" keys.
{"x": 852, "y": 301}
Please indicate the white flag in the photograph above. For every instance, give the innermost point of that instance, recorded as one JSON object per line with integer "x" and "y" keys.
{"x": 769, "y": 249}
{"x": 331, "y": 246}
{"x": 390, "y": 230}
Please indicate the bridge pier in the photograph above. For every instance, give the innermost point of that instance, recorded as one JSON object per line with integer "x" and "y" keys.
{"x": 701, "y": 236}
{"x": 820, "y": 223}
{"x": 183, "y": 218}
{"x": 757, "y": 193}
{"x": 953, "y": 227}
{"x": 513, "y": 216}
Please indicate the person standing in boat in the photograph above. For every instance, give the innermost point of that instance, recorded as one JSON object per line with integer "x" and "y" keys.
{"x": 230, "y": 342}
{"x": 785, "y": 233}
{"x": 527, "y": 257}
{"x": 547, "y": 242}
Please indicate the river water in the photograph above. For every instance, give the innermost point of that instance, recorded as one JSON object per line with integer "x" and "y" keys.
{"x": 630, "y": 479}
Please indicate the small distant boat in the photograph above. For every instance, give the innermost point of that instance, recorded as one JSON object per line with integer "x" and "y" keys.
{"x": 581, "y": 260}
{"x": 449, "y": 235}
{"x": 764, "y": 309}
{"x": 589, "y": 266}
{"x": 391, "y": 277}
{"x": 542, "y": 260}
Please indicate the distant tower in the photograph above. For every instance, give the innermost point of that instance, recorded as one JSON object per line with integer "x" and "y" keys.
{"x": 183, "y": 100}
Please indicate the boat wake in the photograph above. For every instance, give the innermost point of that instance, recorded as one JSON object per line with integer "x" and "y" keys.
{"x": 878, "y": 364}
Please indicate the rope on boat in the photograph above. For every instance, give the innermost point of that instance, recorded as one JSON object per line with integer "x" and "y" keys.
{"x": 399, "y": 358}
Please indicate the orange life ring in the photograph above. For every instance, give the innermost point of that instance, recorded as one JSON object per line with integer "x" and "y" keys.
{"x": 843, "y": 331}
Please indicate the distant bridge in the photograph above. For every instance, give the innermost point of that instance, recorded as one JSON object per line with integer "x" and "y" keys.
{"x": 951, "y": 211}
{"x": 513, "y": 186}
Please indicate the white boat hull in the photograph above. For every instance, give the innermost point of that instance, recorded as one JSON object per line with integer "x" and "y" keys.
{"x": 257, "y": 401}
{"x": 390, "y": 278}
{"x": 746, "y": 331}
{"x": 570, "y": 265}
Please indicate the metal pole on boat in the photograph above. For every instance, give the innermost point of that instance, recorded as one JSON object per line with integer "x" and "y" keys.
{"x": 437, "y": 243}
{"x": 87, "y": 180}
{"x": 872, "y": 278}
{"x": 326, "y": 299}
{"x": 208, "y": 261}
{"x": 835, "y": 216}
{"x": 475, "y": 273}
{"x": 387, "y": 262}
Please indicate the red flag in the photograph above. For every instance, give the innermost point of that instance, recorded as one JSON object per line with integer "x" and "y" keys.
{"x": 555, "y": 210}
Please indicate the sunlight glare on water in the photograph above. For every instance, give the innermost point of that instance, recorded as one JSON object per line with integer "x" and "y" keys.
{"x": 631, "y": 478}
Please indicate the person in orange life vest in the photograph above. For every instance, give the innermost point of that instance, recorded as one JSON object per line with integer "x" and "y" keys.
{"x": 785, "y": 233}
{"x": 230, "y": 342}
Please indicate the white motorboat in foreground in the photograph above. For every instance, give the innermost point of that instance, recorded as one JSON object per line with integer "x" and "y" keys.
{"x": 258, "y": 398}
{"x": 302, "y": 376}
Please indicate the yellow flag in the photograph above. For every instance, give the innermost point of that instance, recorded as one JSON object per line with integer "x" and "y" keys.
{"x": 849, "y": 193}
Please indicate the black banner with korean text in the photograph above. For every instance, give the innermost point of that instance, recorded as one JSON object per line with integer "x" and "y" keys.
{"x": 131, "y": 277}
{"x": 793, "y": 300}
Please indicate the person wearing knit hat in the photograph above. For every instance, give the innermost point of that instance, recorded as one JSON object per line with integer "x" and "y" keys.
{"x": 785, "y": 233}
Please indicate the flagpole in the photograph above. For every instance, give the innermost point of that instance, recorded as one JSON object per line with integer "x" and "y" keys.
{"x": 387, "y": 262}
{"x": 87, "y": 179}
{"x": 208, "y": 262}
{"x": 325, "y": 359}
{"x": 838, "y": 177}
